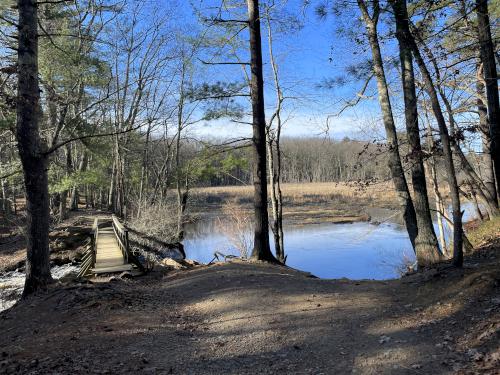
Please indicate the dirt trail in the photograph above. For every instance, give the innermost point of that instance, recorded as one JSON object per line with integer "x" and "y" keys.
{"x": 243, "y": 318}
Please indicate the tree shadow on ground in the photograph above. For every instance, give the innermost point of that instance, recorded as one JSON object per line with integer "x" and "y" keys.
{"x": 247, "y": 318}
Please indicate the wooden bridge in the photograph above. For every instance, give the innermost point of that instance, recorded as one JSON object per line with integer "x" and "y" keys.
{"x": 109, "y": 250}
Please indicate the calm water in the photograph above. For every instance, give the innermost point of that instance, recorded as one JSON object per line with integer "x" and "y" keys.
{"x": 355, "y": 251}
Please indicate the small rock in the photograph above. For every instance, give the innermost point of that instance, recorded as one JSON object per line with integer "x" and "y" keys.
{"x": 383, "y": 339}
{"x": 475, "y": 354}
{"x": 172, "y": 263}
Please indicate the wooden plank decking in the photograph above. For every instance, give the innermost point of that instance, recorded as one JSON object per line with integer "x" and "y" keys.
{"x": 109, "y": 257}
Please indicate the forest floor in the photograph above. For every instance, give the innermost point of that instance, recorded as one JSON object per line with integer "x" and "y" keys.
{"x": 67, "y": 240}
{"x": 255, "y": 318}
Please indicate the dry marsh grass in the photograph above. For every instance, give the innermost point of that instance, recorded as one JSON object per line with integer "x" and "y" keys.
{"x": 304, "y": 193}
{"x": 333, "y": 202}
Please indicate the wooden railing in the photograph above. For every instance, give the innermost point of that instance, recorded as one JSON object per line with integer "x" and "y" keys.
{"x": 123, "y": 241}
{"x": 121, "y": 234}
{"x": 95, "y": 234}
{"x": 88, "y": 260}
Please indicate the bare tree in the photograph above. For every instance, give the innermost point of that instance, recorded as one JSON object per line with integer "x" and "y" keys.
{"x": 274, "y": 155}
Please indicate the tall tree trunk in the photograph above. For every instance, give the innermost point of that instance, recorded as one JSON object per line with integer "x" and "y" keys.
{"x": 440, "y": 207}
{"x": 406, "y": 37}
{"x": 181, "y": 196}
{"x": 261, "y": 249}
{"x": 394, "y": 158}
{"x": 63, "y": 205}
{"x": 279, "y": 201}
{"x": 14, "y": 195}
{"x": 144, "y": 172}
{"x": 5, "y": 201}
{"x": 488, "y": 172}
{"x": 112, "y": 184}
{"x": 426, "y": 244}
{"x": 487, "y": 56}
{"x": 274, "y": 155}
{"x": 31, "y": 150}
{"x": 276, "y": 203}
{"x": 439, "y": 201}
{"x": 75, "y": 193}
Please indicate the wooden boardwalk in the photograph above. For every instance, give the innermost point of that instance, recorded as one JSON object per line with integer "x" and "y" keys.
{"x": 109, "y": 256}
{"x": 109, "y": 250}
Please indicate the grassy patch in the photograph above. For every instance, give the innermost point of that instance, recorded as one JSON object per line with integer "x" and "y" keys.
{"x": 482, "y": 232}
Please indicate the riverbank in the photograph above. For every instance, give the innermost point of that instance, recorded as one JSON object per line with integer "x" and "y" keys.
{"x": 248, "y": 318}
{"x": 67, "y": 242}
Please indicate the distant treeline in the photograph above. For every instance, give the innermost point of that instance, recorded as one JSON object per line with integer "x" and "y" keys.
{"x": 303, "y": 160}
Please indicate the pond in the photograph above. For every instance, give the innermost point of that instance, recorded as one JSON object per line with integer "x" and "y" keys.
{"x": 356, "y": 251}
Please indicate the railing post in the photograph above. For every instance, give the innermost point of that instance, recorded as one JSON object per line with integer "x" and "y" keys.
{"x": 94, "y": 240}
{"x": 94, "y": 248}
{"x": 125, "y": 231}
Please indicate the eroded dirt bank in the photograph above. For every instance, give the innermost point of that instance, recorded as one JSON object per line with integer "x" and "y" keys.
{"x": 243, "y": 318}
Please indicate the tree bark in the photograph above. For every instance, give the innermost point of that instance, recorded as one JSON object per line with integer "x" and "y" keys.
{"x": 261, "y": 249}
{"x": 426, "y": 244}
{"x": 144, "y": 172}
{"x": 181, "y": 195}
{"x": 439, "y": 201}
{"x": 31, "y": 151}
{"x": 276, "y": 201}
{"x": 487, "y": 56}
{"x": 75, "y": 193}
{"x": 275, "y": 163}
{"x": 394, "y": 158}
{"x": 63, "y": 205}
{"x": 406, "y": 37}
{"x": 484, "y": 127}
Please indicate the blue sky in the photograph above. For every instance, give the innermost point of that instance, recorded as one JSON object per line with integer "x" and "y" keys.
{"x": 306, "y": 58}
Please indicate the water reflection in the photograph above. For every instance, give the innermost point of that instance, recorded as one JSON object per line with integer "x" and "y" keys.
{"x": 355, "y": 251}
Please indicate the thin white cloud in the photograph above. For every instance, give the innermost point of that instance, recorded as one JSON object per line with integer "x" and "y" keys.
{"x": 298, "y": 125}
